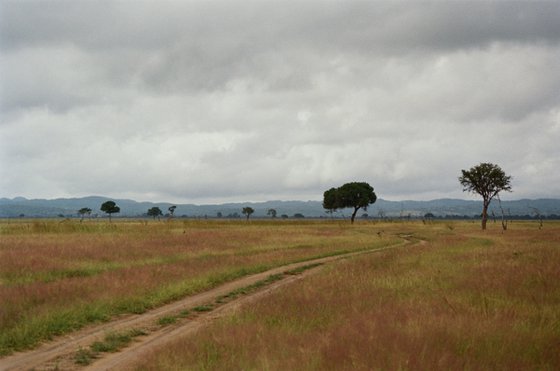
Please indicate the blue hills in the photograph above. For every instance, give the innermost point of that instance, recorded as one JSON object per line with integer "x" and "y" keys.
{"x": 68, "y": 207}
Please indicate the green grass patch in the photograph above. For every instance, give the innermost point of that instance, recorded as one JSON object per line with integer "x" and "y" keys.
{"x": 166, "y": 320}
{"x": 203, "y": 308}
{"x": 112, "y": 342}
{"x": 250, "y": 288}
{"x": 84, "y": 357}
{"x": 86, "y": 269}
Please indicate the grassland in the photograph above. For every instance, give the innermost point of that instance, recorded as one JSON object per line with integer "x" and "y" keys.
{"x": 59, "y": 276}
{"x": 461, "y": 299}
{"x": 466, "y": 299}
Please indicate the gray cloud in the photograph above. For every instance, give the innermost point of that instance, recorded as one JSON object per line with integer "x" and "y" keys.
{"x": 210, "y": 101}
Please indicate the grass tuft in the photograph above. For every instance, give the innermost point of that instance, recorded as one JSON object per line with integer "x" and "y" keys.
{"x": 84, "y": 357}
{"x": 113, "y": 342}
{"x": 203, "y": 308}
{"x": 166, "y": 320}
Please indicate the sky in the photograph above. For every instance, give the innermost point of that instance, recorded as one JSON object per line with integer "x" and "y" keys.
{"x": 232, "y": 101}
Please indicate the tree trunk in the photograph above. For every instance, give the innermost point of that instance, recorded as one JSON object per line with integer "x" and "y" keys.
{"x": 354, "y": 215}
{"x": 484, "y": 215}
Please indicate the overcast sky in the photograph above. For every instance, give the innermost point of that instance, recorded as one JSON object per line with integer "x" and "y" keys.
{"x": 258, "y": 100}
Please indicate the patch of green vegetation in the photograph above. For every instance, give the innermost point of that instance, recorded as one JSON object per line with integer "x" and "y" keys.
{"x": 84, "y": 357}
{"x": 203, "y": 308}
{"x": 166, "y": 320}
{"x": 112, "y": 342}
{"x": 53, "y": 275}
{"x": 29, "y": 333}
{"x": 248, "y": 289}
{"x": 86, "y": 269}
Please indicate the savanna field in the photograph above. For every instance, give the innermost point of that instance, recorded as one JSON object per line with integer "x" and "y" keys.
{"x": 453, "y": 297}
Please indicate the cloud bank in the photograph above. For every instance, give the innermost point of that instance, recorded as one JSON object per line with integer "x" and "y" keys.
{"x": 254, "y": 100}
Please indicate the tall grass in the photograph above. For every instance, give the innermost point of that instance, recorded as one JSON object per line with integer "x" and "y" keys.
{"x": 57, "y": 277}
{"x": 466, "y": 300}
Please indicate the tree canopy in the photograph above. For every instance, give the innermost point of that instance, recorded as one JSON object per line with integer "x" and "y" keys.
{"x": 172, "y": 210}
{"x": 271, "y": 212}
{"x": 110, "y": 207}
{"x": 356, "y": 195}
{"x": 486, "y": 180}
{"x": 83, "y": 211}
{"x": 248, "y": 211}
{"x": 155, "y": 212}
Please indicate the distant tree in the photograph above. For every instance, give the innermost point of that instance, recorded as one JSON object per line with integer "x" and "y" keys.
{"x": 271, "y": 212}
{"x": 355, "y": 195}
{"x": 487, "y": 180}
{"x": 110, "y": 207}
{"x": 538, "y": 215}
{"x": 299, "y": 216}
{"x": 155, "y": 212}
{"x": 284, "y": 216}
{"x": 83, "y": 211}
{"x": 428, "y": 217}
{"x": 247, "y": 211}
{"x": 219, "y": 214}
{"x": 171, "y": 210}
{"x": 504, "y": 219}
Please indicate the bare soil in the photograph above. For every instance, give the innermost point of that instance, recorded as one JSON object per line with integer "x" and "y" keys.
{"x": 60, "y": 354}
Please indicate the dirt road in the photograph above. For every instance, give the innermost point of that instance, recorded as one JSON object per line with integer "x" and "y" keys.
{"x": 61, "y": 353}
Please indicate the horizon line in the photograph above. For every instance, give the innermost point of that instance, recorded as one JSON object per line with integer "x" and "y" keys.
{"x": 257, "y": 202}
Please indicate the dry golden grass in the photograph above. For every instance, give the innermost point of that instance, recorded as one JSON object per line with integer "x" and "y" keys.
{"x": 56, "y": 277}
{"x": 466, "y": 300}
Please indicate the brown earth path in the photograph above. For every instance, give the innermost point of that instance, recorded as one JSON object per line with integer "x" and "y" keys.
{"x": 60, "y": 353}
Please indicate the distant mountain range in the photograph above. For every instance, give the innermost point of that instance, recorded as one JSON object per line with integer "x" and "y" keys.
{"x": 68, "y": 207}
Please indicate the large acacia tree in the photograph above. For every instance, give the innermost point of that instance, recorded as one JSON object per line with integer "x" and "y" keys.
{"x": 355, "y": 195}
{"x": 487, "y": 180}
